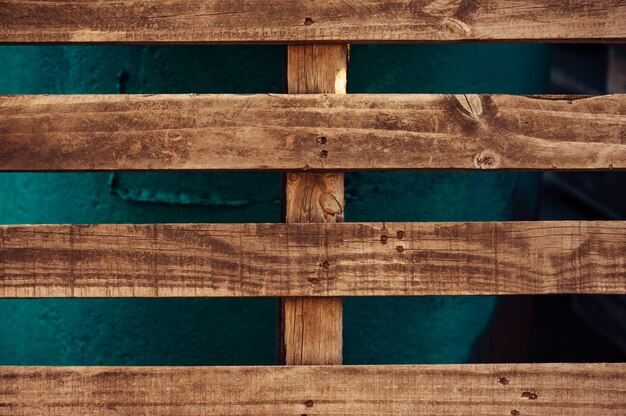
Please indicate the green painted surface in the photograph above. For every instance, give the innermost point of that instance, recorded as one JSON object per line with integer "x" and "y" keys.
{"x": 241, "y": 331}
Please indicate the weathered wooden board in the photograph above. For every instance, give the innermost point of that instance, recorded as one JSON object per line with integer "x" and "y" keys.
{"x": 287, "y": 21}
{"x": 349, "y": 259}
{"x": 312, "y": 132}
{"x": 486, "y": 390}
{"x": 310, "y": 330}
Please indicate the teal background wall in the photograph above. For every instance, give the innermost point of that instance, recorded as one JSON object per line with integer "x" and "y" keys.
{"x": 242, "y": 331}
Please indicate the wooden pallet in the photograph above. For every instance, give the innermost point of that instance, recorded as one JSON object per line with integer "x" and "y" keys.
{"x": 313, "y": 260}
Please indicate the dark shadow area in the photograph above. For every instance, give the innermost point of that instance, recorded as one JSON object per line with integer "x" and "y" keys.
{"x": 569, "y": 328}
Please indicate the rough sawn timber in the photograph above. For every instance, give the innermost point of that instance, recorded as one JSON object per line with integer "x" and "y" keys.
{"x": 421, "y": 390}
{"x": 347, "y": 259}
{"x": 312, "y": 132}
{"x": 310, "y": 329}
{"x": 299, "y": 21}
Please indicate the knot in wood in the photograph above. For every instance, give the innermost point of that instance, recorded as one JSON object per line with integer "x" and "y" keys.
{"x": 486, "y": 160}
{"x": 456, "y": 26}
{"x": 469, "y": 104}
{"x": 330, "y": 204}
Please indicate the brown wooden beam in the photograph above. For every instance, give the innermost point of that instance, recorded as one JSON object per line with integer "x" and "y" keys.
{"x": 310, "y": 330}
{"x": 312, "y": 132}
{"x": 348, "y": 259}
{"x": 298, "y": 21}
{"x": 487, "y": 390}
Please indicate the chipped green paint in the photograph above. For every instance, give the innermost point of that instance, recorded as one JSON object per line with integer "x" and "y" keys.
{"x": 241, "y": 331}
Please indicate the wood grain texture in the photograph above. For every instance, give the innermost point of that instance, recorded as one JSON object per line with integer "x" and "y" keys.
{"x": 347, "y": 259}
{"x": 317, "y": 69}
{"x": 297, "y": 21}
{"x": 485, "y": 390}
{"x": 310, "y": 330}
{"x": 312, "y": 132}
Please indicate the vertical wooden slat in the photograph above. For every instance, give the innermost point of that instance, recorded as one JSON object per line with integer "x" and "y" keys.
{"x": 310, "y": 329}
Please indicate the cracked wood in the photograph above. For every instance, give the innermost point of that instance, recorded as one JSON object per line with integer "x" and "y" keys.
{"x": 472, "y": 389}
{"x": 312, "y": 132}
{"x": 345, "y": 259}
{"x": 298, "y": 21}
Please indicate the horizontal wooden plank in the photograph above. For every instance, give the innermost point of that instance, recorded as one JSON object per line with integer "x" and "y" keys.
{"x": 486, "y": 390}
{"x": 351, "y": 259}
{"x": 282, "y": 21}
{"x": 312, "y": 132}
